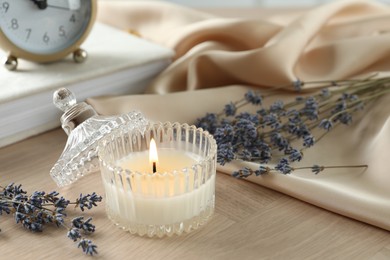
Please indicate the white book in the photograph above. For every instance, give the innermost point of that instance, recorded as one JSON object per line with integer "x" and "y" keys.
{"x": 118, "y": 63}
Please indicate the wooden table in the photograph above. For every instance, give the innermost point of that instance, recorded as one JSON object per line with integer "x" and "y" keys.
{"x": 251, "y": 222}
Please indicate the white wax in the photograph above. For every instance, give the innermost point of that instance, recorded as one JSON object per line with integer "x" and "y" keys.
{"x": 135, "y": 209}
{"x": 162, "y": 199}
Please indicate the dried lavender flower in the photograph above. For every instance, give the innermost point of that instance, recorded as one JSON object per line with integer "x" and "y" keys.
{"x": 87, "y": 246}
{"x": 208, "y": 122}
{"x": 87, "y": 201}
{"x": 317, "y": 169}
{"x": 74, "y": 234}
{"x": 253, "y": 98}
{"x": 230, "y": 109}
{"x": 286, "y": 129}
{"x": 295, "y": 155}
{"x": 298, "y": 84}
{"x": 35, "y": 211}
{"x": 83, "y": 225}
{"x": 277, "y": 106}
{"x": 225, "y": 154}
{"x": 262, "y": 170}
{"x": 283, "y": 166}
{"x": 308, "y": 140}
{"x": 326, "y": 124}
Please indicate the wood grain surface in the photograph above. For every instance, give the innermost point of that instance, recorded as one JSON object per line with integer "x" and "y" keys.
{"x": 251, "y": 222}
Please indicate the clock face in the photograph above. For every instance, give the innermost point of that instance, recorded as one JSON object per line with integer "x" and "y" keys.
{"x": 44, "y": 26}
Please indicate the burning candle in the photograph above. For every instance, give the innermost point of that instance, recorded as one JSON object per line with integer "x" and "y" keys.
{"x": 159, "y": 189}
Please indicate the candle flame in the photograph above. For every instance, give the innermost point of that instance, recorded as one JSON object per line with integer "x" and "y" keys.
{"x": 153, "y": 157}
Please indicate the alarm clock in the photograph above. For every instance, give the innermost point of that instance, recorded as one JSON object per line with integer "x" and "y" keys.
{"x": 45, "y": 30}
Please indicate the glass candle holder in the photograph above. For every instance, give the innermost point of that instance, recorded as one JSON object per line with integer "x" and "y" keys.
{"x": 178, "y": 197}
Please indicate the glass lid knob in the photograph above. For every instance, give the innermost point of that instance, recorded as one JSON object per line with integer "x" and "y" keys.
{"x": 64, "y": 99}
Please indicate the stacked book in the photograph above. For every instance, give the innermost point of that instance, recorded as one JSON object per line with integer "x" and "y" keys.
{"x": 118, "y": 63}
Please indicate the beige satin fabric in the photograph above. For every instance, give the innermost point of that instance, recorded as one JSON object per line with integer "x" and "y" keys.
{"x": 339, "y": 40}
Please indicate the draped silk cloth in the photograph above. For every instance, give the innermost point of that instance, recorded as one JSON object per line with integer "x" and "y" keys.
{"x": 227, "y": 56}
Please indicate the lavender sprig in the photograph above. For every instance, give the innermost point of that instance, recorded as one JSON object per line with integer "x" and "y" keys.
{"x": 87, "y": 201}
{"x": 35, "y": 211}
{"x": 287, "y": 169}
{"x": 282, "y": 131}
{"x": 87, "y": 246}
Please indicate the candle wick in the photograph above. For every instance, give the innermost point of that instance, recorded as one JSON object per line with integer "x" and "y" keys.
{"x": 154, "y": 167}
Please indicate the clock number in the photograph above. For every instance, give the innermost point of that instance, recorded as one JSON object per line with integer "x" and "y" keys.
{"x": 46, "y": 38}
{"x": 61, "y": 31}
{"x": 5, "y": 6}
{"x": 14, "y": 24}
{"x": 72, "y": 18}
{"x": 28, "y": 33}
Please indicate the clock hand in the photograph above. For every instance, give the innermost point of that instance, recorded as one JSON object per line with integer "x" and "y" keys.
{"x": 42, "y": 4}
{"x": 59, "y": 7}
{"x": 68, "y": 5}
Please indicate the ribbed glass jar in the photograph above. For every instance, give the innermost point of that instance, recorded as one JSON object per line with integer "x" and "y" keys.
{"x": 178, "y": 198}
